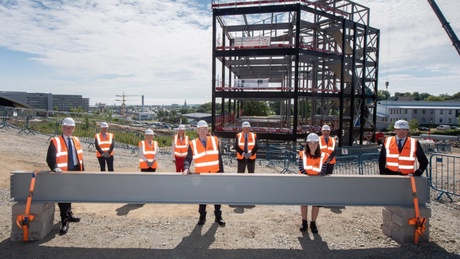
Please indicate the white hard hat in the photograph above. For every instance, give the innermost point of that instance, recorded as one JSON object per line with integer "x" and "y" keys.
{"x": 202, "y": 124}
{"x": 312, "y": 137}
{"x": 401, "y": 124}
{"x": 246, "y": 124}
{"x": 181, "y": 127}
{"x": 104, "y": 125}
{"x": 149, "y": 132}
{"x": 68, "y": 122}
{"x": 326, "y": 127}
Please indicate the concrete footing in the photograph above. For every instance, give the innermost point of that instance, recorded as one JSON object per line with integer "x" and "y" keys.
{"x": 39, "y": 227}
{"x": 396, "y": 223}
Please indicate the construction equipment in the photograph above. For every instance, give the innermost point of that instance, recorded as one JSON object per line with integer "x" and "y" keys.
{"x": 445, "y": 24}
{"x": 123, "y": 101}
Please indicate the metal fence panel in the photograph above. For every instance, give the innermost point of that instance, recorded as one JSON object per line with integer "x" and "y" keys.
{"x": 444, "y": 175}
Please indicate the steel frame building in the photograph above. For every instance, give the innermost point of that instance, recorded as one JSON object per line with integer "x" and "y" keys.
{"x": 317, "y": 59}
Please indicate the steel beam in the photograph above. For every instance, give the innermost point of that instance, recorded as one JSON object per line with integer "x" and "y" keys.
{"x": 225, "y": 188}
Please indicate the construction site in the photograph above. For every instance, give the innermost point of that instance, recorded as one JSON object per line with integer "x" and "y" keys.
{"x": 317, "y": 59}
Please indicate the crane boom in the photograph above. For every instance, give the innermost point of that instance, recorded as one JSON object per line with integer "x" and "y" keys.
{"x": 445, "y": 25}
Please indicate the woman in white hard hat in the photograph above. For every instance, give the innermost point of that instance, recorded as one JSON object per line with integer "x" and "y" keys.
{"x": 311, "y": 163}
{"x": 179, "y": 148}
{"x": 148, "y": 152}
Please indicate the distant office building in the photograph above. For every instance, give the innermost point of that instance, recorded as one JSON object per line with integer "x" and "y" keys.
{"x": 47, "y": 101}
{"x": 426, "y": 113}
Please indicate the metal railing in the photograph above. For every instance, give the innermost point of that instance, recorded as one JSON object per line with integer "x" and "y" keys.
{"x": 444, "y": 175}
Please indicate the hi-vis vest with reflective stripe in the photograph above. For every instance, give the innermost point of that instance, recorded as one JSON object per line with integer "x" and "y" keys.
{"x": 104, "y": 143}
{"x": 206, "y": 159}
{"x": 311, "y": 165}
{"x": 180, "y": 148}
{"x": 327, "y": 148}
{"x": 149, "y": 153}
{"x": 251, "y": 144}
{"x": 61, "y": 151}
{"x": 403, "y": 162}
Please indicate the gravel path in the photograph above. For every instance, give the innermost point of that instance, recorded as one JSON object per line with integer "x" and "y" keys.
{"x": 170, "y": 231}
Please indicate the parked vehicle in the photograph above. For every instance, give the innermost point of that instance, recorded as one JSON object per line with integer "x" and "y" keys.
{"x": 443, "y": 127}
{"x": 423, "y": 128}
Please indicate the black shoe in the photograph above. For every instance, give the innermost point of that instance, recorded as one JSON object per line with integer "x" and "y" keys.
{"x": 313, "y": 227}
{"x": 64, "y": 227}
{"x": 220, "y": 221}
{"x": 304, "y": 226}
{"x": 201, "y": 222}
{"x": 74, "y": 219}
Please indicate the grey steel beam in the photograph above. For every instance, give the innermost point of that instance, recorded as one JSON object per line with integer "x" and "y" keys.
{"x": 225, "y": 188}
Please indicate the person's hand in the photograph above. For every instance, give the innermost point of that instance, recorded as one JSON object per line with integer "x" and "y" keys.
{"x": 174, "y": 161}
{"x": 57, "y": 170}
{"x": 248, "y": 155}
{"x": 105, "y": 154}
{"x": 149, "y": 164}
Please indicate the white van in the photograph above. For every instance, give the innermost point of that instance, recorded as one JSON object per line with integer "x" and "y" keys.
{"x": 443, "y": 127}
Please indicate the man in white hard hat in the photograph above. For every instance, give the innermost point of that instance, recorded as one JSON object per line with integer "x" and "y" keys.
{"x": 246, "y": 146}
{"x": 399, "y": 154}
{"x": 328, "y": 146}
{"x": 179, "y": 148}
{"x": 205, "y": 152}
{"x": 148, "y": 152}
{"x": 104, "y": 143}
{"x": 65, "y": 153}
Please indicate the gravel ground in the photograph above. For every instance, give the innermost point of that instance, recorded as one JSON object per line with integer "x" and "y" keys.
{"x": 170, "y": 231}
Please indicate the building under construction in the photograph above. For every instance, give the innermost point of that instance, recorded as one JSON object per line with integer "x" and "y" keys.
{"x": 317, "y": 60}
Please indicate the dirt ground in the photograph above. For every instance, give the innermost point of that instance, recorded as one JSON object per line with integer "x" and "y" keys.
{"x": 170, "y": 231}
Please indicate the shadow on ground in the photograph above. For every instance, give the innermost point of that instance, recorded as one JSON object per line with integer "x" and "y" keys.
{"x": 197, "y": 245}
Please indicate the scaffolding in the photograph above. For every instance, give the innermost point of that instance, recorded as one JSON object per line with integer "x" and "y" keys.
{"x": 317, "y": 60}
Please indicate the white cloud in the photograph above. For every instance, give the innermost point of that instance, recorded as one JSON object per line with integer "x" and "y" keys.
{"x": 162, "y": 49}
{"x": 151, "y": 47}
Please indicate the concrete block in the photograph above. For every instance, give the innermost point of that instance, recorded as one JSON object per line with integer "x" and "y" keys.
{"x": 398, "y": 228}
{"x": 42, "y": 224}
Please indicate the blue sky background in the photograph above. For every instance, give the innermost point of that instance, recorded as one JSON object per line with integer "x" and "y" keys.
{"x": 162, "y": 49}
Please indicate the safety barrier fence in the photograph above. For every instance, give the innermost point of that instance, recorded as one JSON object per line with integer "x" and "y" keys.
{"x": 444, "y": 175}
{"x": 437, "y": 147}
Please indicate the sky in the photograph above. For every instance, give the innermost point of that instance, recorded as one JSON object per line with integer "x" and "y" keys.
{"x": 162, "y": 49}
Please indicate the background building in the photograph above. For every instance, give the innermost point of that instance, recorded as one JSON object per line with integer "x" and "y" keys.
{"x": 429, "y": 114}
{"x": 47, "y": 101}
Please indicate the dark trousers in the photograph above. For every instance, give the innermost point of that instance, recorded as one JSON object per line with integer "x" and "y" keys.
{"x": 330, "y": 168}
{"x": 66, "y": 208}
{"x": 103, "y": 160}
{"x": 179, "y": 164}
{"x": 243, "y": 163}
{"x": 202, "y": 208}
{"x": 149, "y": 170}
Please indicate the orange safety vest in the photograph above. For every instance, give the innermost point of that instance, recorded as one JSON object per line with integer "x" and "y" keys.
{"x": 61, "y": 152}
{"x": 180, "y": 148}
{"x": 149, "y": 153}
{"x": 328, "y": 148}
{"x": 206, "y": 158}
{"x": 251, "y": 144}
{"x": 403, "y": 162}
{"x": 104, "y": 143}
{"x": 311, "y": 165}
